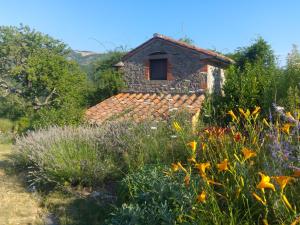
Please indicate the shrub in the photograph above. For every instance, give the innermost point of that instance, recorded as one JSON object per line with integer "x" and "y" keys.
{"x": 6, "y": 125}
{"x": 153, "y": 198}
{"x": 229, "y": 177}
{"x": 88, "y": 155}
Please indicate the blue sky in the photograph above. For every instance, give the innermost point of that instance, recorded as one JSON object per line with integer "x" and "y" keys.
{"x": 216, "y": 24}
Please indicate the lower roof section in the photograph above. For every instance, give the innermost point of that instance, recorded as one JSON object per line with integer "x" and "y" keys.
{"x": 140, "y": 106}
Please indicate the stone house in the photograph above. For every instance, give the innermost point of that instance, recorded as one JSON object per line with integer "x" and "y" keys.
{"x": 162, "y": 75}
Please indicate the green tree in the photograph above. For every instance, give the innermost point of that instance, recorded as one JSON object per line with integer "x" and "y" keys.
{"x": 250, "y": 82}
{"x": 289, "y": 82}
{"x": 35, "y": 74}
{"x": 106, "y": 80}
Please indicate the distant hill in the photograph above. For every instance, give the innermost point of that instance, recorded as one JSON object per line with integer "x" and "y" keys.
{"x": 86, "y": 59}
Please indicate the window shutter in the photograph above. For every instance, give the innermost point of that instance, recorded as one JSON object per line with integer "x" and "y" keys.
{"x": 169, "y": 71}
{"x": 147, "y": 70}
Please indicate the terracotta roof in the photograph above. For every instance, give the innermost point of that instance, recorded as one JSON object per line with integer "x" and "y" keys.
{"x": 182, "y": 44}
{"x": 139, "y": 106}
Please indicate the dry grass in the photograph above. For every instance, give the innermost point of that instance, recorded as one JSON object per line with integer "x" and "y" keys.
{"x": 17, "y": 207}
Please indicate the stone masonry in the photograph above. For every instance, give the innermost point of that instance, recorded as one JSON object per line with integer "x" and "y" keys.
{"x": 188, "y": 71}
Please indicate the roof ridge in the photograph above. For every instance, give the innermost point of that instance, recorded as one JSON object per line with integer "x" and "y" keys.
{"x": 182, "y": 44}
{"x": 206, "y": 51}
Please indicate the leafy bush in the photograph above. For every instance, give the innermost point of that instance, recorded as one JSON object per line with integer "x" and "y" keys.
{"x": 153, "y": 198}
{"x": 88, "y": 155}
{"x": 244, "y": 174}
{"x": 6, "y": 125}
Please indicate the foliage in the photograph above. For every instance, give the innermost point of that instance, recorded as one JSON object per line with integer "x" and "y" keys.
{"x": 36, "y": 75}
{"x": 105, "y": 80}
{"x": 6, "y": 131}
{"x": 153, "y": 198}
{"x": 88, "y": 155}
{"x": 229, "y": 177}
{"x": 250, "y": 81}
{"x": 289, "y": 83}
{"x": 6, "y": 125}
{"x": 108, "y": 83}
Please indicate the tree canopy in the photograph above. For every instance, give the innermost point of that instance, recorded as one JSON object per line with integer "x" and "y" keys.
{"x": 36, "y": 76}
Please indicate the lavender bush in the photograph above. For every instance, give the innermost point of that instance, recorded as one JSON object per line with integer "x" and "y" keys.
{"x": 284, "y": 137}
{"x": 88, "y": 155}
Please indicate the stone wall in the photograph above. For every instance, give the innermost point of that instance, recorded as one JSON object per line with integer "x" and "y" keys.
{"x": 188, "y": 71}
{"x": 215, "y": 79}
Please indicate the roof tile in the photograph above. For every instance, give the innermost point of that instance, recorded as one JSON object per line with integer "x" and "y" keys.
{"x": 139, "y": 106}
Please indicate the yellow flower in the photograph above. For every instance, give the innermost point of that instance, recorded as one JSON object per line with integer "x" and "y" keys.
{"x": 223, "y": 166}
{"x": 296, "y": 221}
{"x": 286, "y": 128}
{"x": 192, "y": 160}
{"x": 175, "y": 167}
{"x": 187, "y": 179}
{"x": 245, "y": 114}
{"x": 288, "y": 114}
{"x": 248, "y": 153}
{"x": 265, "y": 182}
{"x": 201, "y": 197}
{"x": 266, "y": 122}
{"x": 233, "y": 116}
{"x": 177, "y": 126}
{"x": 255, "y": 111}
{"x": 202, "y": 168}
{"x": 286, "y": 202}
{"x": 193, "y": 145}
{"x": 258, "y": 198}
{"x": 283, "y": 180}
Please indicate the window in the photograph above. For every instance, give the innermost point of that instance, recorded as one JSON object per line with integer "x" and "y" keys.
{"x": 158, "y": 69}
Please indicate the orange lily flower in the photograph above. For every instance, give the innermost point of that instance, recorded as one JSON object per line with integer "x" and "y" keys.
{"x": 288, "y": 114}
{"x": 255, "y": 111}
{"x": 223, "y": 166}
{"x": 201, "y": 197}
{"x": 175, "y": 167}
{"x": 202, "y": 167}
{"x": 283, "y": 180}
{"x": 286, "y": 128}
{"x": 265, "y": 182}
{"x": 192, "y": 160}
{"x": 233, "y": 116}
{"x": 248, "y": 153}
{"x": 193, "y": 145}
{"x": 245, "y": 114}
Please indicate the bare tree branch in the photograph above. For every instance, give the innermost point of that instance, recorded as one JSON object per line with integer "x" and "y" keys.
{"x": 39, "y": 104}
